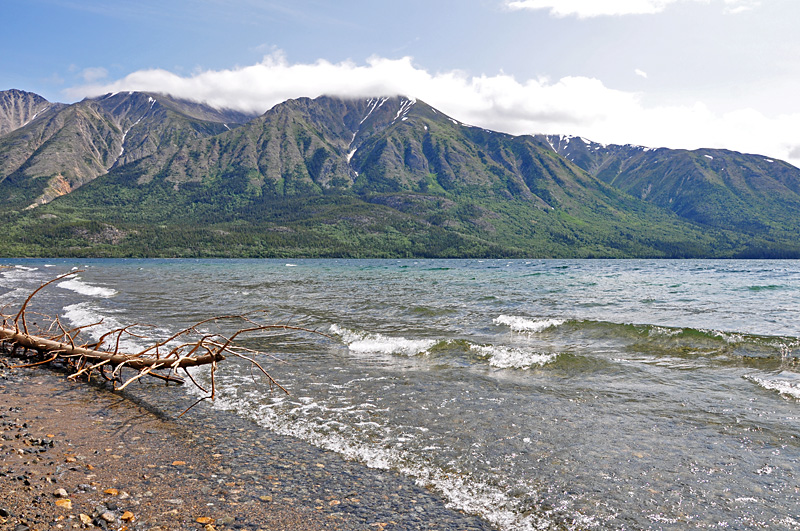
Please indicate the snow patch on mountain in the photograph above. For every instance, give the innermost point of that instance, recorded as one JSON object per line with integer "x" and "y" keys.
{"x": 405, "y": 106}
{"x": 134, "y": 124}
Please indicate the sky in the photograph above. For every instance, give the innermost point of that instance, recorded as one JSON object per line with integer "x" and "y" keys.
{"x": 659, "y": 73}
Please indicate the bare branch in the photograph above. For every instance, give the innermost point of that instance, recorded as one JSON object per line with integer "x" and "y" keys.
{"x": 193, "y": 346}
{"x": 21, "y": 313}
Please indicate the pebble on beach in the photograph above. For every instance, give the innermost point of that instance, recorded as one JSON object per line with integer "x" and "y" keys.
{"x": 99, "y": 460}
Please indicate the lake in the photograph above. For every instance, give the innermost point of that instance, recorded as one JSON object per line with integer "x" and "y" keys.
{"x": 640, "y": 394}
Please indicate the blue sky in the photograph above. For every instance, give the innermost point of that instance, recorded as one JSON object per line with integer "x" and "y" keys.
{"x": 674, "y": 73}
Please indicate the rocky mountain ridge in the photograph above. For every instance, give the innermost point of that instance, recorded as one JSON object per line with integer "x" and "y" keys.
{"x": 127, "y": 161}
{"x": 66, "y": 146}
{"x": 713, "y": 187}
{"x": 18, "y": 108}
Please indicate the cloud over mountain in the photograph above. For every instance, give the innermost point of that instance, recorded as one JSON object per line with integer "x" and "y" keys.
{"x": 576, "y": 105}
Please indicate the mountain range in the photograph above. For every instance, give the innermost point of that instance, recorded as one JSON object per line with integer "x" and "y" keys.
{"x": 146, "y": 174}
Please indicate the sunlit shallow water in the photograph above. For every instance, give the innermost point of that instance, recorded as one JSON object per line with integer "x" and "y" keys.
{"x": 605, "y": 394}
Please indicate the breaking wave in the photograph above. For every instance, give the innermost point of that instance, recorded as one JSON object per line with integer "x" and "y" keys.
{"x": 785, "y": 383}
{"x": 503, "y": 357}
{"x": 78, "y": 286}
{"x": 524, "y": 324}
{"x": 492, "y": 501}
{"x": 373, "y": 343}
{"x": 84, "y": 314}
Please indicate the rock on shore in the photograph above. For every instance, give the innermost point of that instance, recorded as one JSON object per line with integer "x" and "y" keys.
{"x": 75, "y": 456}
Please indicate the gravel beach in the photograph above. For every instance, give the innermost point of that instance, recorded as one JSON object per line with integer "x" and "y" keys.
{"x": 79, "y": 456}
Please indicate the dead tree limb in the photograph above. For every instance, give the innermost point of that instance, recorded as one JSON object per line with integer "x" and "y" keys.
{"x": 67, "y": 350}
{"x": 191, "y": 347}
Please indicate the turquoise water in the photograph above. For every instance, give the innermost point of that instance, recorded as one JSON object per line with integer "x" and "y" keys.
{"x": 584, "y": 394}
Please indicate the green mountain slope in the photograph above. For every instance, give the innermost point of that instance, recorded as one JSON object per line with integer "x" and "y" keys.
{"x": 65, "y": 147}
{"x": 715, "y": 188}
{"x": 356, "y": 178}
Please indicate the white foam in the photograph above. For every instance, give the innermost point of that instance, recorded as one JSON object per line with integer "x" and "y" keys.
{"x": 16, "y": 275}
{"x": 657, "y": 331}
{"x": 20, "y": 281}
{"x": 461, "y": 491}
{"x": 512, "y": 358}
{"x": 86, "y": 313}
{"x": 16, "y": 294}
{"x": 786, "y": 383}
{"x": 78, "y": 286}
{"x": 364, "y": 343}
{"x": 728, "y": 337}
{"x": 83, "y": 313}
{"x": 524, "y": 324}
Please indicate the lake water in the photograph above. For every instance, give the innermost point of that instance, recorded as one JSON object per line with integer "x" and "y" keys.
{"x": 539, "y": 394}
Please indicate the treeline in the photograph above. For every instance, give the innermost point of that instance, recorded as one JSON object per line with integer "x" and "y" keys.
{"x": 161, "y": 219}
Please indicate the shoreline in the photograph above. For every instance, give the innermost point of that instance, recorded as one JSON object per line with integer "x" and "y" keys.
{"x": 125, "y": 464}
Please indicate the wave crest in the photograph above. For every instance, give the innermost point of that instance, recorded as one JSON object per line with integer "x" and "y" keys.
{"x": 786, "y": 383}
{"x": 524, "y": 324}
{"x": 362, "y": 342}
{"x": 78, "y": 286}
{"x": 84, "y": 314}
{"x": 512, "y": 358}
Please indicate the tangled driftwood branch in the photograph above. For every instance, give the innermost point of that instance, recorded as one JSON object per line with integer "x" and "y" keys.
{"x": 164, "y": 359}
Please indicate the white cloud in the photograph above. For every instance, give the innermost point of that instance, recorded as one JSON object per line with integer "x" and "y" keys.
{"x": 593, "y": 8}
{"x": 571, "y": 105}
{"x": 94, "y": 73}
{"x": 598, "y": 8}
{"x": 640, "y": 73}
{"x": 734, "y": 7}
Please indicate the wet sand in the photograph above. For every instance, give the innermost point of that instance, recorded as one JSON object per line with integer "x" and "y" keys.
{"x": 80, "y": 456}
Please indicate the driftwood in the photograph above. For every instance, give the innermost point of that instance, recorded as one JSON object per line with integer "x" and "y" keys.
{"x": 164, "y": 359}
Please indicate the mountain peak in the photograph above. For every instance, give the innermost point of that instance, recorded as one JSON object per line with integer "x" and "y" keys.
{"x": 117, "y": 102}
{"x": 18, "y": 108}
{"x": 354, "y": 163}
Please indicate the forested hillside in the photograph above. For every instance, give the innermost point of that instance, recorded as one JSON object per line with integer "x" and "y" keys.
{"x": 135, "y": 174}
